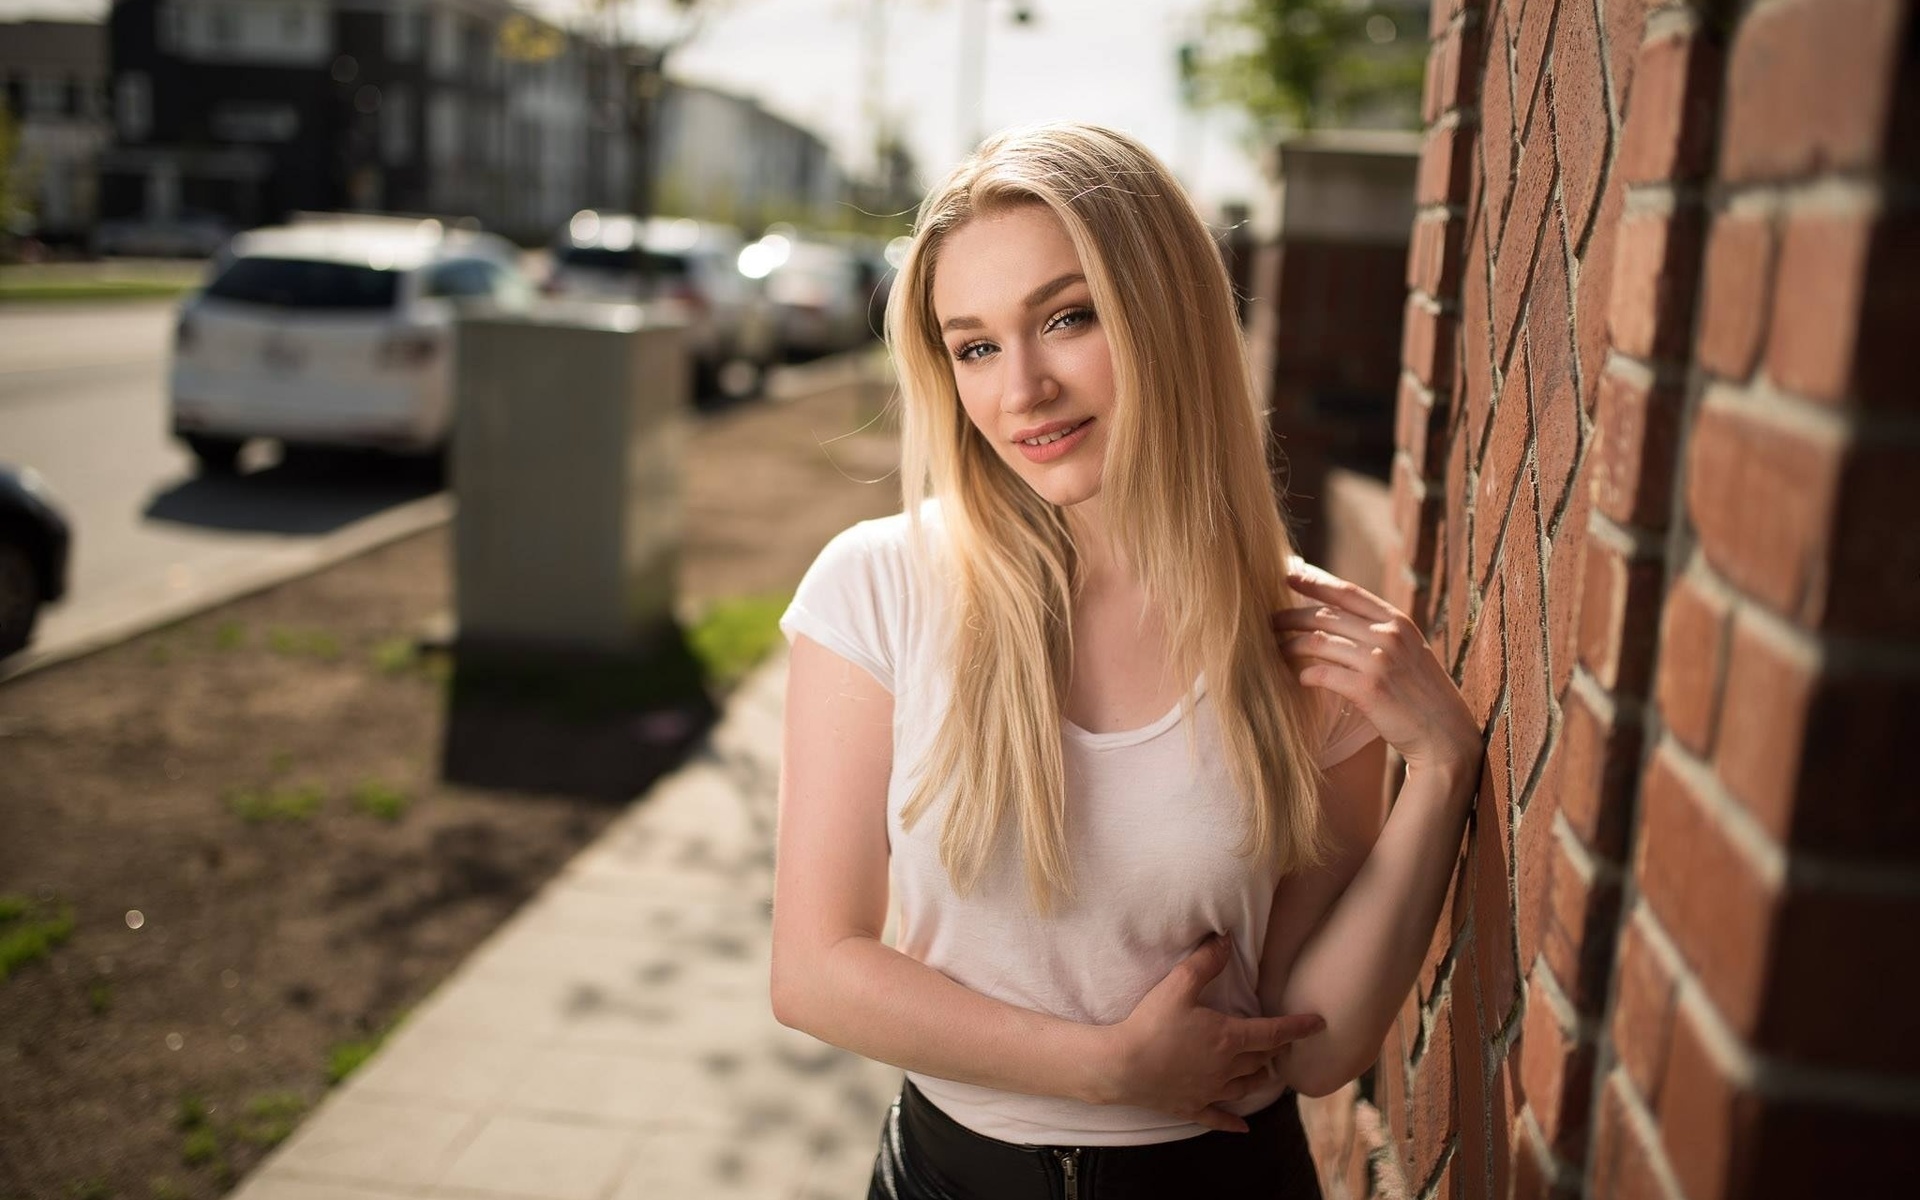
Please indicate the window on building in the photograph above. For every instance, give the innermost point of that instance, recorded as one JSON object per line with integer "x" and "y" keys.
{"x": 443, "y": 51}
{"x": 396, "y": 125}
{"x": 403, "y": 33}
{"x": 223, "y": 26}
{"x": 133, "y": 106}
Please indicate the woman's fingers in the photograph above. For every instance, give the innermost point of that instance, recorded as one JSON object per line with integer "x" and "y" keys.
{"x": 1215, "y": 1117}
{"x": 1331, "y": 589}
{"x": 1329, "y": 647}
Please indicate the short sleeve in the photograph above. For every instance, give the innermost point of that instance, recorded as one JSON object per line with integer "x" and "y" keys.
{"x": 846, "y": 603}
{"x": 1347, "y": 732}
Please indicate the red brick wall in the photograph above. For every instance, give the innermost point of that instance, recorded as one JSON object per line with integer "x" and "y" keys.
{"x": 1648, "y": 500}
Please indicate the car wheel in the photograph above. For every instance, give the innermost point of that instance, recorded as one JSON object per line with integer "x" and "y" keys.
{"x": 19, "y": 597}
{"x": 218, "y": 456}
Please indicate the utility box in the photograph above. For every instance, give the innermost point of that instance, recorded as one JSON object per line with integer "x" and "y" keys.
{"x": 569, "y": 428}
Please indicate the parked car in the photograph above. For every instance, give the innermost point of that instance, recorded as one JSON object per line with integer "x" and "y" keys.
{"x": 820, "y": 294}
{"x": 332, "y": 332}
{"x": 34, "y": 543}
{"x": 190, "y": 234}
{"x": 691, "y": 268}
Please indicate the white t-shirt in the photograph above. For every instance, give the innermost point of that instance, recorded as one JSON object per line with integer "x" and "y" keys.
{"x": 1153, "y": 832}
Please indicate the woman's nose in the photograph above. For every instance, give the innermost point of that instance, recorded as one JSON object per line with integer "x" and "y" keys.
{"x": 1029, "y": 383}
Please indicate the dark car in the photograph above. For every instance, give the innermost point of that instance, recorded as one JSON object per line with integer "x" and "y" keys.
{"x": 33, "y": 554}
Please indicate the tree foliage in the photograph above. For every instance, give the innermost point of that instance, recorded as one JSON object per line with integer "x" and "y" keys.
{"x": 1303, "y": 64}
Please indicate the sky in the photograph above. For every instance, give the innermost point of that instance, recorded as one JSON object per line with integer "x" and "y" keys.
{"x": 1106, "y": 61}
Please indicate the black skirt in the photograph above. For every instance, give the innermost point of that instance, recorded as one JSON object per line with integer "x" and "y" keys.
{"x": 927, "y": 1155}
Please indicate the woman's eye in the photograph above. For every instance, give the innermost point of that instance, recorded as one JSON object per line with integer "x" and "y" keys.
{"x": 1070, "y": 318}
{"x": 966, "y": 352}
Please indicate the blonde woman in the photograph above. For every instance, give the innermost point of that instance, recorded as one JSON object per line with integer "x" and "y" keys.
{"x": 1116, "y": 756}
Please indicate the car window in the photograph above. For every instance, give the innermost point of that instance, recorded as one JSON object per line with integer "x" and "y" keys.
{"x": 298, "y": 283}
{"x": 599, "y": 258}
{"x": 458, "y": 280}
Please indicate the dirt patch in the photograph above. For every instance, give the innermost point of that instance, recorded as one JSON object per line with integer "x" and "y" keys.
{"x": 246, "y": 817}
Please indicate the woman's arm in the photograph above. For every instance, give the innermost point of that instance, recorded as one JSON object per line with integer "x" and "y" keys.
{"x": 834, "y": 978}
{"x": 1358, "y": 961}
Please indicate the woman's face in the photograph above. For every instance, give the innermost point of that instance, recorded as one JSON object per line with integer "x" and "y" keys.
{"x": 1028, "y": 353}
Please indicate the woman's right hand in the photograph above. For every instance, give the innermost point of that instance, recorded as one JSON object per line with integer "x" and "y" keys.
{"x": 1173, "y": 1054}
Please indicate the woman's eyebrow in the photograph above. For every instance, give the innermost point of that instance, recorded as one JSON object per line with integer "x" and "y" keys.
{"x": 1035, "y": 298}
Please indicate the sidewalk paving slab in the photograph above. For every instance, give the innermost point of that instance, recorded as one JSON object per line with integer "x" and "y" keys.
{"x": 614, "y": 1040}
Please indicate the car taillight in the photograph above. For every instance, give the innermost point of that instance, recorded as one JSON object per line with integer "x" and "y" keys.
{"x": 184, "y": 333}
{"x": 408, "y": 349}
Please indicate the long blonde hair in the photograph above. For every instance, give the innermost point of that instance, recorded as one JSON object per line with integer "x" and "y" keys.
{"x": 1185, "y": 491}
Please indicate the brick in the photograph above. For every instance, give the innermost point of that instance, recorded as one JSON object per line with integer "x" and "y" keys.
{"x": 1493, "y": 967}
{"x": 1531, "y": 1178}
{"x": 1644, "y": 996}
{"x": 1431, "y": 1096}
{"x": 1557, "y": 1069}
{"x": 1582, "y": 132}
{"x": 1528, "y": 697}
{"x": 1476, "y": 337}
{"x": 1714, "y": 900}
{"x": 1556, "y": 400}
{"x": 1623, "y": 1155}
{"x": 1470, "y": 1047}
{"x": 1693, "y": 639}
{"x": 1497, "y": 142}
{"x": 1459, "y": 583}
{"x": 1576, "y": 931}
{"x": 1626, "y": 21}
{"x": 1600, "y": 759}
{"x": 1734, "y": 295}
{"x": 1530, "y": 57}
{"x": 1420, "y": 430}
{"x": 1533, "y": 875}
{"x": 1636, "y": 437}
{"x": 1762, "y": 497}
{"x": 1563, "y": 582}
{"x": 1650, "y": 308}
{"x": 1699, "y": 1123}
{"x": 1526, "y": 228}
{"x": 1842, "y": 963}
{"x": 1669, "y": 133}
{"x": 1817, "y": 303}
{"x": 1447, "y": 86}
{"x": 1443, "y": 166}
{"x": 1485, "y": 667}
{"x": 1811, "y": 87}
{"x": 1440, "y": 14}
{"x": 1390, "y": 1077}
{"x": 1595, "y": 292}
{"x": 1619, "y": 615}
{"x": 1809, "y": 751}
{"x": 1416, "y": 520}
{"x": 1427, "y": 343}
{"x": 1434, "y": 255}
{"x": 1502, "y": 469}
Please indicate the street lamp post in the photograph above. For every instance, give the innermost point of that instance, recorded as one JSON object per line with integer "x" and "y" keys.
{"x": 971, "y": 103}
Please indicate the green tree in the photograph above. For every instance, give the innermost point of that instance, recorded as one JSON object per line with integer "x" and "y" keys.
{"x": 1303, "y": 64}
{"x": 16, "y": 211}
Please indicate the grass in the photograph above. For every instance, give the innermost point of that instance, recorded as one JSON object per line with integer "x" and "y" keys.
{"x": 191, "y": 1112}
{"x": 200, "y": 1147}
{"x": 162, "y": 1188}
{"x": 396, "y": 656}
{"x": 231, "y": 635}
{"x": 377, "y": 799}
{"x": 347, "y": 1057}
{"x": 269, "y": 1119}
{"x": 54, "y": 291}
{"x": 100, "y": 999}
{"x": 290, "y": 802}
{"x": 90, "y": 1189}
{"x": 304, "y": 643}
{"x": 736, "y": 633}
{"x": 29, "y": 932}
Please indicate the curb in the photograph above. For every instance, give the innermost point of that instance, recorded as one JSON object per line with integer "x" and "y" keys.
{"x": 280, "y": 566}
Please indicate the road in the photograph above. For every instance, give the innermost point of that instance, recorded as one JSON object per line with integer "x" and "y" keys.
{"x": 83, "y": 401}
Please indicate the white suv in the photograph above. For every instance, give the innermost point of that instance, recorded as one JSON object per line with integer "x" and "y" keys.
{"x": 332, "y": 331}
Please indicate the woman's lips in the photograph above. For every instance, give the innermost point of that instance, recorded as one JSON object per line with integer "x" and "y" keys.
{"x": 1058, "y": 447}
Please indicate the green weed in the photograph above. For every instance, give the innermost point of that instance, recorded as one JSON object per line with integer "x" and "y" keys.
{"x": 90, "y": 1189}
{"x": 202, "y": 1146}
{"x": 159, "y": 654}
{"x": 231, "y": 635}
{"x": 100, "y": 998}
{"x": 190, "y": 1112}
{"x": 347, "y": 1057}
{"x": 162, "y": 1188}
{"x": 280, "y": 762}
{"x": 734, "y": 634}
{"x": 293, "y": 802}
{"x": 377, "y": 799}
{"x": 395, "y": 656}
{"x": 270, "y": 1118}
{"x": 25, "y": 937}
{"x": 304, "y": 643}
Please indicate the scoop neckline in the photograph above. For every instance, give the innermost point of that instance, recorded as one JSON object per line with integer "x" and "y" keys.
{"x": 1132, "y": 737}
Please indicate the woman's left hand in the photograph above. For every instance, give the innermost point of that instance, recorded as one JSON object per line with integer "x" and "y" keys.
{"x": 1372, "y": 655}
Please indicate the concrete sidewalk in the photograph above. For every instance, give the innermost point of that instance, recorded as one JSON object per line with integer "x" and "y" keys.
{"x": 613, "y": 1041}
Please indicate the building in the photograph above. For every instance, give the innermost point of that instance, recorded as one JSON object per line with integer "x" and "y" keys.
{"x": 723, "y": 157}
{"x": 54, "y": 78}
{"x": 247, "y": 111}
